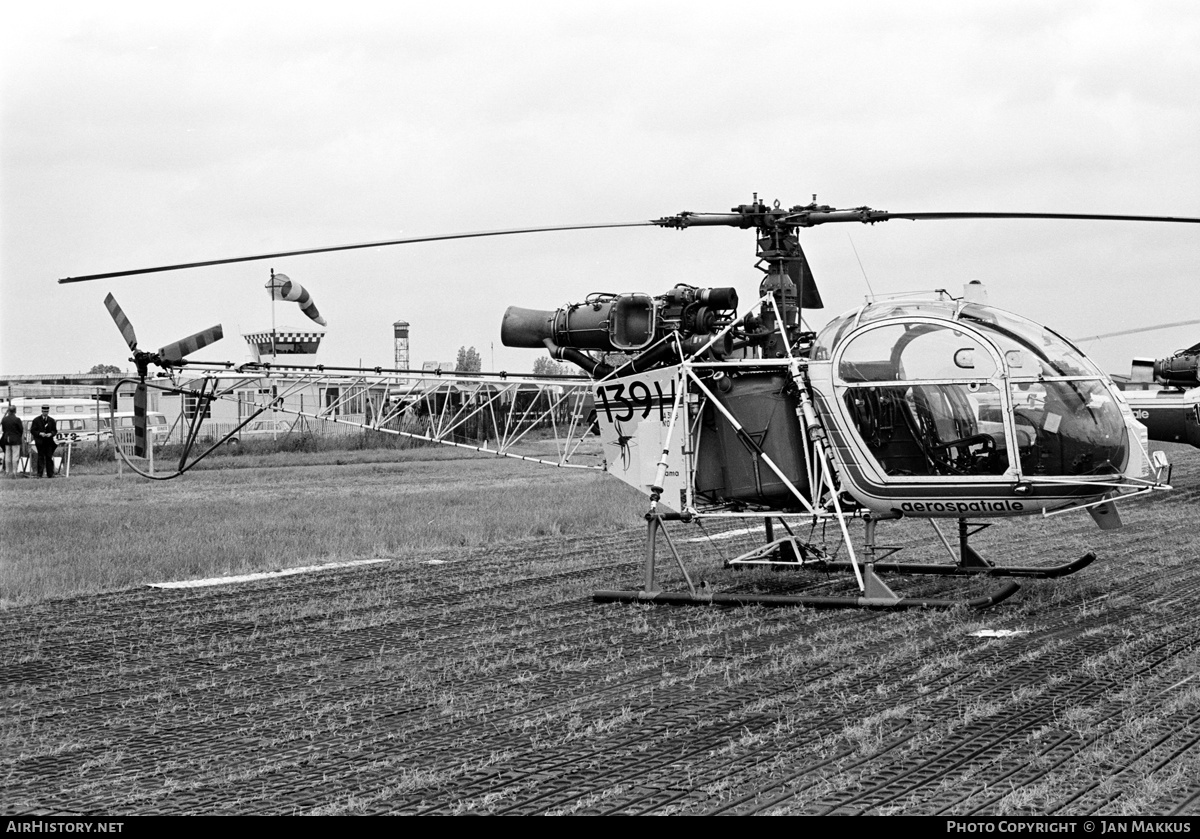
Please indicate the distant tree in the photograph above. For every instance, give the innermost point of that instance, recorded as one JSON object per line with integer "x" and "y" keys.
{"x": 468, "y": 361}
{"x": 546, "y": 366}
{"x": 105, "y": 369}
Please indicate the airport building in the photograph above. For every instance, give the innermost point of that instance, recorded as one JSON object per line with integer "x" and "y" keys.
{"x": 344, "y": 396}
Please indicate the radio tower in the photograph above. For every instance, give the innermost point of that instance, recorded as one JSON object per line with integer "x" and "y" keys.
{"x": 400, "y": 330}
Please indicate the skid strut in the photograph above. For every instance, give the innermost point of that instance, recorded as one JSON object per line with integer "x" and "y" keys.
{"x": 876, "y": 594}
{"x": 968, "y": 562}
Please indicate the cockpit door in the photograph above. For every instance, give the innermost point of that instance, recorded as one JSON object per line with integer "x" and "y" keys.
{"x": 925, "y": 400}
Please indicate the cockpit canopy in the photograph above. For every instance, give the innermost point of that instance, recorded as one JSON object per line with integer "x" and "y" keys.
{"x": 938, "y": 388}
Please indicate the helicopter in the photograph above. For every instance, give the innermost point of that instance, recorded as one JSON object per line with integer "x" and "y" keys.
{"x": 1172, "y": 412}
{"x": 933, "y": 406}
{"x": 1163, "y": 393}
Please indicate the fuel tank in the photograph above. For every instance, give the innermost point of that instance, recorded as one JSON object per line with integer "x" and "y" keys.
{"x": 728, "y": 466}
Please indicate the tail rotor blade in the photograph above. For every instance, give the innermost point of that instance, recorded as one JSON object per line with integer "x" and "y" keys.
{"x": 139, "y": 421}
{"x": 122, "y": 322}
{"x": 182, "y": 349}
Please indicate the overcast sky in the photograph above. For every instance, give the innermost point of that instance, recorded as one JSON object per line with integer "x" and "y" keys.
{"x": 142, "y": 134}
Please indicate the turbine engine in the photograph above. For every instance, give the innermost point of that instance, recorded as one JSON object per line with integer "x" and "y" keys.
{"x": 1181, "y": 370}
{"x": 624, "y": 323}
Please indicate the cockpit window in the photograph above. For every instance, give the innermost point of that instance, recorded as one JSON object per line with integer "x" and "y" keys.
{"x": 932, "y": 400}
{"x": 932, "y": 430}
{"x": 915, "y": 351}
{"x": 822, "y": 348}
{"x": 837, "y": 328}
{"x": 1077, "y": 428}
{"x": 1030, "y": 349}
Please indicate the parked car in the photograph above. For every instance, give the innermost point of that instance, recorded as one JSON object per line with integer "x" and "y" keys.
{"x": 261, "y": 430}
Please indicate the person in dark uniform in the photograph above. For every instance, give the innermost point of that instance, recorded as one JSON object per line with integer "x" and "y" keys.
{"x": 11, "y": 432}
{"x": 43, "y": 428}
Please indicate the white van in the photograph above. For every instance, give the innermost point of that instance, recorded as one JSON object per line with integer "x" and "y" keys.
{"x": 82, "y": 420}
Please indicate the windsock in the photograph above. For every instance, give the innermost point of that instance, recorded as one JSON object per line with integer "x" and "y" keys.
{"x": 281, "y": 288}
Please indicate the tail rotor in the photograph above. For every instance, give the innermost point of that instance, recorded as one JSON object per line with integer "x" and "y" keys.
{"x": 169, "y": 356}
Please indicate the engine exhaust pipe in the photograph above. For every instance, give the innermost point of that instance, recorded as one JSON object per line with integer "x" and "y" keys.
{"x": 583, "y": 327}
{"x": 526, "y": 328}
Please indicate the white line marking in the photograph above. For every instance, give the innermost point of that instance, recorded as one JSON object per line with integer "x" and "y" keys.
{"x": 264, "y": 575}
{"x": 1177, "y": 684}
{"x": 998, "y": 633}
{"x": 725, "y": 534}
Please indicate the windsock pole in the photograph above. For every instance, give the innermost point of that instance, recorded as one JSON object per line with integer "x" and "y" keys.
{"x": 272, "y": 316}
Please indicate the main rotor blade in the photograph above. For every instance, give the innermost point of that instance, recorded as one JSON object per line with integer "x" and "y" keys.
{"x": 182, "y": 349}
{"x": 880, "y": 215}
{"x": 1138, "y": 330}
{"x": 798, "y": 217}
{"x": 379, "y": 244}
{"x": 123, "y": 323}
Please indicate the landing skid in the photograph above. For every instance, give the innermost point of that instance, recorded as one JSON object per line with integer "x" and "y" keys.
{"x": 1036, "y": 572}
{"x": 791, "y": 553}
{"x": 895, "y": 603}
{"x": 875, "y": 593}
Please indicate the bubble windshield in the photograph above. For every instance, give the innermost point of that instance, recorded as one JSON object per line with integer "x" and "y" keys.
{"x": 949, "y": 416}
{"x": 1031, "y": 350}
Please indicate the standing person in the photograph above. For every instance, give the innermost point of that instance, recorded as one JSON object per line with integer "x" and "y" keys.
{"x": 12, "y": 430}
{"x": 43, "y": 428}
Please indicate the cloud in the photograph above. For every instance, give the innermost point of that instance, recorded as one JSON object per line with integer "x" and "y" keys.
{"x": 138, "y": 134}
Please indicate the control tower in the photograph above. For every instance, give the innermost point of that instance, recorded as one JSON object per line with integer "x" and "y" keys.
{"x": 269, "y": 346}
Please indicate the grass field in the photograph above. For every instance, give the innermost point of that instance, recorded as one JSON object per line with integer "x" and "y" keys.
{"x": 471, "y": 673}
{"x": 97, "y": 532}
